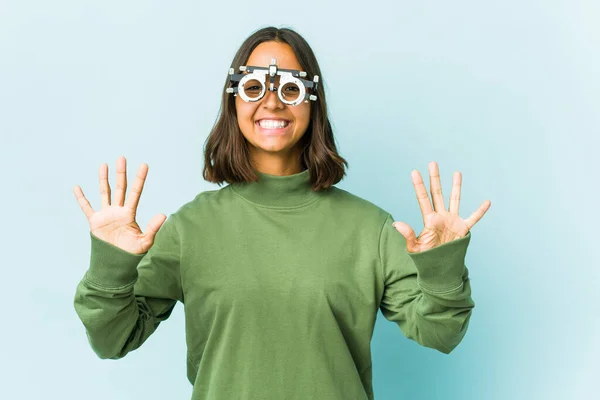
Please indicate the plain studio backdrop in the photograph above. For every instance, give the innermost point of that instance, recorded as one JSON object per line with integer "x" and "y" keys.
{"x": 506, "y": 92}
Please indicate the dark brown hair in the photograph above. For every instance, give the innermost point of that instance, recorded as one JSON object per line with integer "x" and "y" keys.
{"x": 226, "y": 156}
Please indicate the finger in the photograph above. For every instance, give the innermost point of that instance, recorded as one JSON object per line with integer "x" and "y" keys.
{"x": 478, "y": 214}
{"x": 435, "y": 186}
{"x": 154, "y": 225}
{"x": 408, "y": 233}
{"x": 455, "y": 194}
{"x": 422, "y": 196}
{"x": 121, "y": 181}
{"x": 104, "y": 186}
{"x": 138, "y": 185}
{"x": 83, "y": 202}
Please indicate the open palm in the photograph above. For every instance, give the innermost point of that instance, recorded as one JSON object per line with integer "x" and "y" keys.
{"x": 439, "y": 225}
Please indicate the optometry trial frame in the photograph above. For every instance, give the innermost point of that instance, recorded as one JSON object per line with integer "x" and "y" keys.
{"x": 292, "y": 89}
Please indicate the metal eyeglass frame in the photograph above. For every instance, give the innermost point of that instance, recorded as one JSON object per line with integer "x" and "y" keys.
{"x": 286, "y": 76}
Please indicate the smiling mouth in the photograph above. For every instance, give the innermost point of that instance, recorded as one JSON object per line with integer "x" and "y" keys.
{"x": 272, "y": 124}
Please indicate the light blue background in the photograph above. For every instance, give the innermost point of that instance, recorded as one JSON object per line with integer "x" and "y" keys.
{"x": 507, "y": 92}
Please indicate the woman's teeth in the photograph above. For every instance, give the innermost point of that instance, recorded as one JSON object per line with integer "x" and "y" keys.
{"x": 272, "y": 124}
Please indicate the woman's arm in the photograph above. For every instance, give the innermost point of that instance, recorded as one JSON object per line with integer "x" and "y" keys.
{"x": 428, "y": 294}
{"x": 123, "y": 297}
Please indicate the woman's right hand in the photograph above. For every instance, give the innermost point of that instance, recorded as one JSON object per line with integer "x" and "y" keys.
{"x": 115, "y": 223}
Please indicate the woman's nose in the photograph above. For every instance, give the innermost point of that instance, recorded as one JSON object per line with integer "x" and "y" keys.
{"x": 271, "y": 100}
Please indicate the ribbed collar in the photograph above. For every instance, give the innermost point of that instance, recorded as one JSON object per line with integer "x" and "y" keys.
{"x": 284, "y": 191}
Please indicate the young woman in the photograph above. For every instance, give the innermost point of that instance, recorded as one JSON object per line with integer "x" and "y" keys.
{"x": 280, "y": 272}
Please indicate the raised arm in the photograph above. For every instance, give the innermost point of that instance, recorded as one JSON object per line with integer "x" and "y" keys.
{"x": 133, "y": 280}
{"x": 428, "y": 294}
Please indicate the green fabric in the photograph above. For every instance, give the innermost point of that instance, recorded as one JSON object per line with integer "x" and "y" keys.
{"x": 281, "y": 288}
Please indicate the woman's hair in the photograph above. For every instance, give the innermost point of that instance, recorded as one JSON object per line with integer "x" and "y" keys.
{"x": 226, "y": 155}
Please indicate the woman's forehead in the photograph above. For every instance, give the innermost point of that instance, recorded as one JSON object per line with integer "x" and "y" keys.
{"x": 282, "y": 52}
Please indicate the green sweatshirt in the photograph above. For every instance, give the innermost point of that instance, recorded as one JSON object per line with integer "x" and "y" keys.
{"x": 281, "y": 287}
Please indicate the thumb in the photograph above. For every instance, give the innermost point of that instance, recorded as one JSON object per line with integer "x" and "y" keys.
{"x": 154, "y": 225}
{"x": 408, "y": 233}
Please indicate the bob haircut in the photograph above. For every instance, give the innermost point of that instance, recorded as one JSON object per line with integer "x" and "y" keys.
{"x": 226, "y": 155}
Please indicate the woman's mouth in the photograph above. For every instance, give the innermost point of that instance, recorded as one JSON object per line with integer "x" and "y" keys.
{"x": 272, "y": 126}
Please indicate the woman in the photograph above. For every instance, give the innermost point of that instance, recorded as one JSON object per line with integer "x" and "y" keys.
{"x": 281, "y": 273}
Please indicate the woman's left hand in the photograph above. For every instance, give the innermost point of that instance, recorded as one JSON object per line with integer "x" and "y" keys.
{"x": 440, "y": 226}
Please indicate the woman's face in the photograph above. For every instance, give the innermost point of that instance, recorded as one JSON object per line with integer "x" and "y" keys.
{"x": 272, "y": 148}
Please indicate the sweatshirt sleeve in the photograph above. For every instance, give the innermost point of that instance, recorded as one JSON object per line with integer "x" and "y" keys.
{"x": 123, "y": 297}
{"x": 428, "y": 294}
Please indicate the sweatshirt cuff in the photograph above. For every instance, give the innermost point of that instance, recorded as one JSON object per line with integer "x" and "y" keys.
{"x": 111, "y": 266}
{"x": 442, "y": 268}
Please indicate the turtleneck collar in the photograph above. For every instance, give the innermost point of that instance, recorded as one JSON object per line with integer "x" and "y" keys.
{"x": 283, "y": 191}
